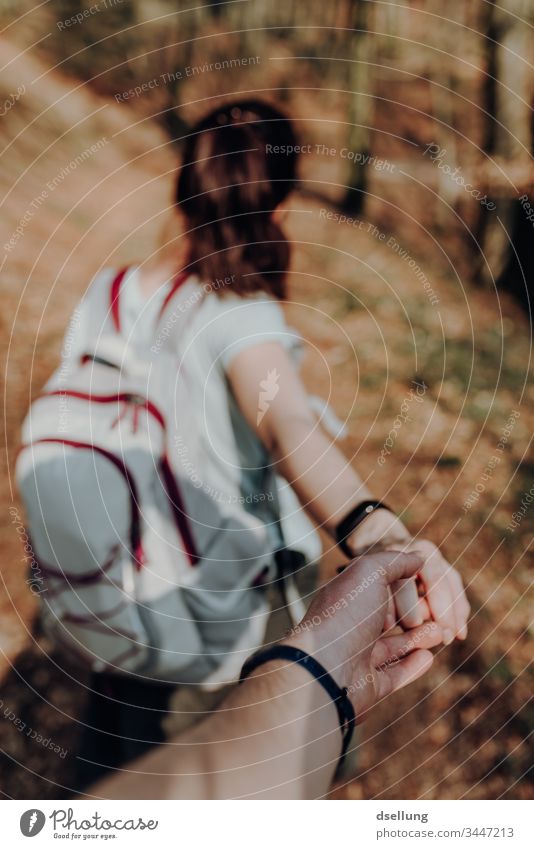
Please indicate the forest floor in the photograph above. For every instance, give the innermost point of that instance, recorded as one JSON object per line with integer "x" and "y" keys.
{"x": 371, "y": 331}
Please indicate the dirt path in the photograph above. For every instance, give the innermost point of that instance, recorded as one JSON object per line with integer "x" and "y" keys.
{"x": 373, "y": 331}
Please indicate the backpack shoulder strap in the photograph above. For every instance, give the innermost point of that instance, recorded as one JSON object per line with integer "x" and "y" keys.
{"x": 114, "y": 297}
{"x": 178, "y": 282}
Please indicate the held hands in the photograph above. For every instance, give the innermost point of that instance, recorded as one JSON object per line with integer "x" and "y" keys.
{"x": 436, "y": 592}
{"x": 344, "y": 626}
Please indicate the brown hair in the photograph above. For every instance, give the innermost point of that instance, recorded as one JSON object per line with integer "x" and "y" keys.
{"x": 229, "y": 184}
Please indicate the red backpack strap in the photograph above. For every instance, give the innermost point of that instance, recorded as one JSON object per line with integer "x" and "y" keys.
{"x": 114, "y": 296}
{"x": 179, "y": 280}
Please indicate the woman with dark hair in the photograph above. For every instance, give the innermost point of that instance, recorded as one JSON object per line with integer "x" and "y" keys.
{"x": 238, "y": 166}
{"x": 240, "y": 417}
{"x": 229, "y": 192}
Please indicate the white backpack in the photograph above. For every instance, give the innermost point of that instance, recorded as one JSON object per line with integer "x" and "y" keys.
{"x": 124, "y": 585}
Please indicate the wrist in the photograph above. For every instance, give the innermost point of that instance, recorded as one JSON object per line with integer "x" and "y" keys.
{"x": 357, "y": 516}
{"x": 316, "y": 674}
{"x": 311, "y": 637}
{"x": 293, "y": 726}
{"x": 382, "y": 528}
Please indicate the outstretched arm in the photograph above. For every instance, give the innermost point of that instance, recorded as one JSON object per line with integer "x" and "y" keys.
{"x": 329, "y": 487}
{"x": 277, "y": 735}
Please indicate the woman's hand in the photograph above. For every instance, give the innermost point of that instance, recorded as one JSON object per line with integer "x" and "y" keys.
{"x": 344, "y": 626}
{"x": 436, "y": 593}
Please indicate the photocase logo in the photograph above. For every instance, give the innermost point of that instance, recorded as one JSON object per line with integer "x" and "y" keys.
{"x": 269, "y": 391}
{"x": 32, "y": 822}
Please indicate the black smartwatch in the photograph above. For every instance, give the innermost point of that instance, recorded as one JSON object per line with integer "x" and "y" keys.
{"x": 352, "y": 520}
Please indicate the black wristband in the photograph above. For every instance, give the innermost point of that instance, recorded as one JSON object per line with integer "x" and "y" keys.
{"x": 339, "y": 695}
{"x": 352, "y": 520}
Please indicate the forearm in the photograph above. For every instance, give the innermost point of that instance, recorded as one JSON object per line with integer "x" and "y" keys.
{"x": 276, "y": 736}
{"x": 329, "y": 487}
{"x": 324, "y": 480}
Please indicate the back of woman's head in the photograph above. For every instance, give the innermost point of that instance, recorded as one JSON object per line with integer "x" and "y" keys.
{"x": 230, "y": 183}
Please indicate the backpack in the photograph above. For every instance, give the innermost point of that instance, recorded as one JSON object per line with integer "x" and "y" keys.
{"x": 125, "y": 588}
{"x": 106, "y": 518}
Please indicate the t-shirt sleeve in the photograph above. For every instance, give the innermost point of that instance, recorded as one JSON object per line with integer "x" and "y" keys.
{"x": 80, "y": 328}
{"x": 242, "y": 323}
